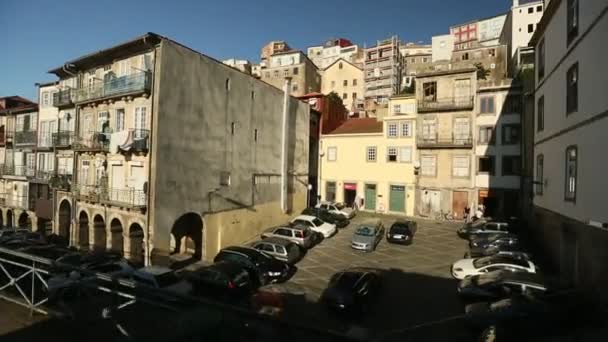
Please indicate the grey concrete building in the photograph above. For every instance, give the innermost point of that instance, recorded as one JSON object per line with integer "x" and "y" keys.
{"x": 304, "y": 74}
{"x": 382, "y": 71}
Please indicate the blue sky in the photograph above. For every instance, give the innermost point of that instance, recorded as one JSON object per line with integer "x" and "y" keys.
{"x": 36, "y": 36}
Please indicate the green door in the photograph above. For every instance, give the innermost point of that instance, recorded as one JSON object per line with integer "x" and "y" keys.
{"x": 370, "y": 196}
{"x": 397, "y": 198}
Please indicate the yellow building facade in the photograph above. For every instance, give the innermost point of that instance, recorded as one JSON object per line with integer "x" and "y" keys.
{"x": 371, "y": 162}
{"x": 346, "y": 80}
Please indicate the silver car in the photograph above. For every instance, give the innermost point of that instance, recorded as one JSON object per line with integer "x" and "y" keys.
{"x": 302, "y": 236}
{"x": 279, "y": 248}
{"x": 367, "y": 236}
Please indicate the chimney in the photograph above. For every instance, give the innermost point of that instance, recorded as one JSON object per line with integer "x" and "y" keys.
{"x": 515, "y": 3}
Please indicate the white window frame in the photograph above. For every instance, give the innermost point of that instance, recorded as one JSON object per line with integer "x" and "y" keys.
{"x": 120, "y": 119}
{"x": 332, "y": 153}
{"x": 371, "y": 151}
{"x": 426, "y": 159}
{"x": 406, "y": 129}
{"x": 392, "y": 151}
{"x": 392, "y": 130}
{"x": 402, "y": 154}
{"x": 457, "y": 170}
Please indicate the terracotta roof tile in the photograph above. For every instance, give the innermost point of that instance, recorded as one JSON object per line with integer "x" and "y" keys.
{"x": 358, "y": 126}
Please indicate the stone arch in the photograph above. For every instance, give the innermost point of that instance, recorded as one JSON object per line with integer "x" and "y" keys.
{"x": 65, "y": 214}
{"x": 9, "y": 218}
{"x": 83, "y": 229}
{"x": 189, "y": 228}
{"x": 99, "y": 233}
{"x": 2, "y": 213}
{"x": 116, "y": 235}
{"x": 136, "y": 243}
{"x": 24, "y": 220}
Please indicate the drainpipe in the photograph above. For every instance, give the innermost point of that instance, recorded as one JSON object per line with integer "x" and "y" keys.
{"x": 284, "y": 144}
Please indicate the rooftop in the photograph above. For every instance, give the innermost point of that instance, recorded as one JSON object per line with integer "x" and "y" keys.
{"x": 359, "y": 126}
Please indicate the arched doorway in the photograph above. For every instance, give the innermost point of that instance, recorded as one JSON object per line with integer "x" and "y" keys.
{"x": 136, "y": 244}
{"x": 9, "y": 218}
{"x": 190, "y": 227}
{"x": 117, "y": 239}
{"x": 99, "y": 233}
{"x": 1, "y": 219}
{"x": 24, "y": 221}
{"x": 83, "y": 230}
{"x": 65, "y": 213}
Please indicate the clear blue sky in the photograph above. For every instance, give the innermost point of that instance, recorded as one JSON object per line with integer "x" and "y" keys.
{"x": 36, "y": 36}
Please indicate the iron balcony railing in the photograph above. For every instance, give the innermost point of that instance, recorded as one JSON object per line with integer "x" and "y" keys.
{"x": 130, "y": 198}
{"x": 444, "y": 141}
{"x": 63, "y": 139}
{"x": 429, "y": 104}
{"x": 124, "y": 85}
{"x": 45, "y": 139}
{"x": 92, "y": 141}
{"x": 18, "y": 170}
{"x": 141, "y": 139}
{"x": 14, "y": 201}
{"x": 61, "y": 181}
{"x": 44, "y": 174}
{"x": 25, "y": 137}
{"x": 63, "y": 98}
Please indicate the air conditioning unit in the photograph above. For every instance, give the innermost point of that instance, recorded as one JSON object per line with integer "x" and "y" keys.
{"x": 492, "y": 66}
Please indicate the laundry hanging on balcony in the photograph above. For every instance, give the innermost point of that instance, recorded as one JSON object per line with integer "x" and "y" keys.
{"x": 122, "y": 140}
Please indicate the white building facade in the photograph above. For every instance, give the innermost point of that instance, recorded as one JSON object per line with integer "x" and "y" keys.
{"x": 442, "y": 47}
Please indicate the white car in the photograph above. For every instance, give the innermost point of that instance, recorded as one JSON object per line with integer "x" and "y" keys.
{"x": 470, "y": 267}
{"x": 336, "y": 208}
{"x": 327, "y": 229}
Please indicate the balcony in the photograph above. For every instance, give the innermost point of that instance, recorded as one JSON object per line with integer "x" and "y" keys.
{"x": 63, "y": 98}
{"x": 61, "y": 181}
{"x": 445, "y": 104}
{"x": 25, "y": 138}
{"x": 63, "y": 139}
{"x": 18, "y": 170}
{"x": 445, "y": 141}
{"x": 14, "y": 201}
{"x": 92, "y": 142}
{"x": 45, "y": 140}
{"x": 121, "y": 86}
{"x": 126, "y": 198}
{"x": 139, "y": 141}
{"x": 44, "y": 174}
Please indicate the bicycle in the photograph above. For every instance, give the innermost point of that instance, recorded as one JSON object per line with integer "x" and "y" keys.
{"x": 444, "y": 216}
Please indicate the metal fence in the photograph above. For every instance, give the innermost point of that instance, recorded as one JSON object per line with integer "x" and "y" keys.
{"x": 62, "y": 98}
{"x": 63, "y": 138}
{"x": 92, "y": 140}
{"x": 117, "y": 86}
{"x": 25, "y": 137}
{"x": 131, "y": 198}
{"x": 448, "y": 103}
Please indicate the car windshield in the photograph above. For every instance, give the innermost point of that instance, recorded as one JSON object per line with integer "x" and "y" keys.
{"x": 345, "y": 280}
{"x": 317, "y": 222}
{"x": 488, "y": 278}
{"x": 400, "y": 229}
{"x": 365, "y": 231}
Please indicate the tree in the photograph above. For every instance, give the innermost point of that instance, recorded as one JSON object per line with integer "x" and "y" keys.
{"x": 482, "y": 73}
{"x": 334, "y": 97}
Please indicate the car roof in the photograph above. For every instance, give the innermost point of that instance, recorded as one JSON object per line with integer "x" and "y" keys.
{"x": 304, "y": 217}
{"x": 247, "y": 251}
{"x": 276, "y": 241}
{"x": 155, "y": 270}
{"x": 228, "y": 267}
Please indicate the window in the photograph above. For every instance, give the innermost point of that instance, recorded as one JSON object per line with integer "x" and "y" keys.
{"x": 344, "y": 96}
{"x": 539, "y": 8}
{"x": 465, "y": 56}
{"x": 333, "y": 84}
{"x": 120, "y": 119}
{"x": 572, "y": 89}
{"x": 428, "y": 165}
{"x": 540, "y": 114}
{"x": 406, "y": 129}
{"x": 354, "y": 96}
{"x": 340, "y": 66}
{"x": 255, "y": 134}
{"x": 530, "y": 9}
{"x": 140, "y": 121}
{"x": 510, "y": 134}
{"x": 267, "y": 74}
{"x": 294, "y": 87}
{"x": 330, "y": 191}
{"x": 486, "y": 135}
{"x": 391, "y": 130}
{"x": 540, "y": 161}
{"x": 572, "y": 20}
{"x": 296, "y": 70}
{"x": 485, "y": 164}
{"x": 405, "y": 154}
{"x": 492, "y": 52}
{"x": 430, "y": 91}
{"x": 345, "y": 83}
{"x": 332, "y": 153}
{"x": 391, "y": 155}
{"x": 512, "y": 105}
{"x": 276, "y": 73}
{"x": 396, "y": 109}
{"x": 224, "y": 178}
{"x": 460, "y": 166}
{"x": 354, "y": 82}
{"x": 228, "y": 84}
{"x": 286, "y": 72}
{"x": 486, "y": 105}
{"x": 371, "y": 154}
{"x": 541, "y": 59}
{"x": 571, "y": 168}
{"x": 232, "y": 127}
{"x": 45, "y": 99}
{"x": 511, "y": 165}
{"x": 530, "y": 28}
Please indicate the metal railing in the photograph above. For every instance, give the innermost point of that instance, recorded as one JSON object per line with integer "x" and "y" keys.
{"x": 45, "y": 139}
{"x": 448, "y": 103}
{"x": 141, "y": 139}
{"x": 62, "y": 98}
{"x": 118, "y": 86}
{"x": 25, "y": 137}
{"x": 130, "y": 198}
{"x": 44, "y": 174}
{"x": 2, "y": 138}
{"x": 61, "y": 181}
{"x": 439, "y": 141}
{"x": 18, "y": 170}
{"x": 92, "y": 141}
{"x": 63, "y": 139}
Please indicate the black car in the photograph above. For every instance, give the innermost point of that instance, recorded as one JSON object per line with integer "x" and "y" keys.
{"x": 483, "y": 228}
{"x": 500, "y": 284}
{"x": 496, "y": 247}
{"x": 352, "y": 290}
{"x": 224, "y": 279}
{"x": 339, "y": 220}
{"x": 402, "y": 232}
{"x": 262, "y": 267}
{"x": 483, "y": 241}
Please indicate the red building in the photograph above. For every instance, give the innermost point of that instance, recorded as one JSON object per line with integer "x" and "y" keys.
{"x": 332, "y": 111}
{"x": 464, "y": 35}
{"x": 341, "y": 42}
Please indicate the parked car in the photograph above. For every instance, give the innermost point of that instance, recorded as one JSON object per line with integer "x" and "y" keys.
{"x": 492, "y": 239}
{"x": 352, "y": 290}
{"x": 470, "y": 267}
{"x": 402, "y": 232}
{"x": 302, "y": 236}
{"x": 495, "y": 248}
{"x": 161, "y": 277}
{"x": 316, "y": 224}
{"x": 500, "y": 284}
{"x": 338, "y": 219}
{"x": 483, "y": 228}
{"x": 10, "y": 233}
{"x": 279, "y": 248}
{"x": 367, "y": 236}
{"x": 224, "y": 279}
{"x": 337, "y": 208}
{"x": 262, "y": 267}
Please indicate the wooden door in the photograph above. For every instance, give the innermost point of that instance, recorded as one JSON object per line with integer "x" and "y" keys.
{"x": 459, "y": 202}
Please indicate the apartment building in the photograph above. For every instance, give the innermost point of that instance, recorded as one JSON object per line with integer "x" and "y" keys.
{"x": 383, "y": 72}
{"x": 445, "y": 103}
{"x": 305, "y": 77}
{"x": 490, "y": 29}
{"x": 20, "y": 117}
{"x": 442, "y": 47}
{"x": 239, "y": 64}
{"x": 498, "y": 147}
{"x": 333, "y": 49}
{"x": 379, "y": 157}
{"x": 493, "y": 59}
{"x": 273, "y": 47}
{"x": 570, "y": 217}
{"x": 175, "y": 152}
{"x": 345, "y": 79}
{"x": 465, "y": 35}
{"x": 416, "y": 58}
{"x": 520, "y": 24}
